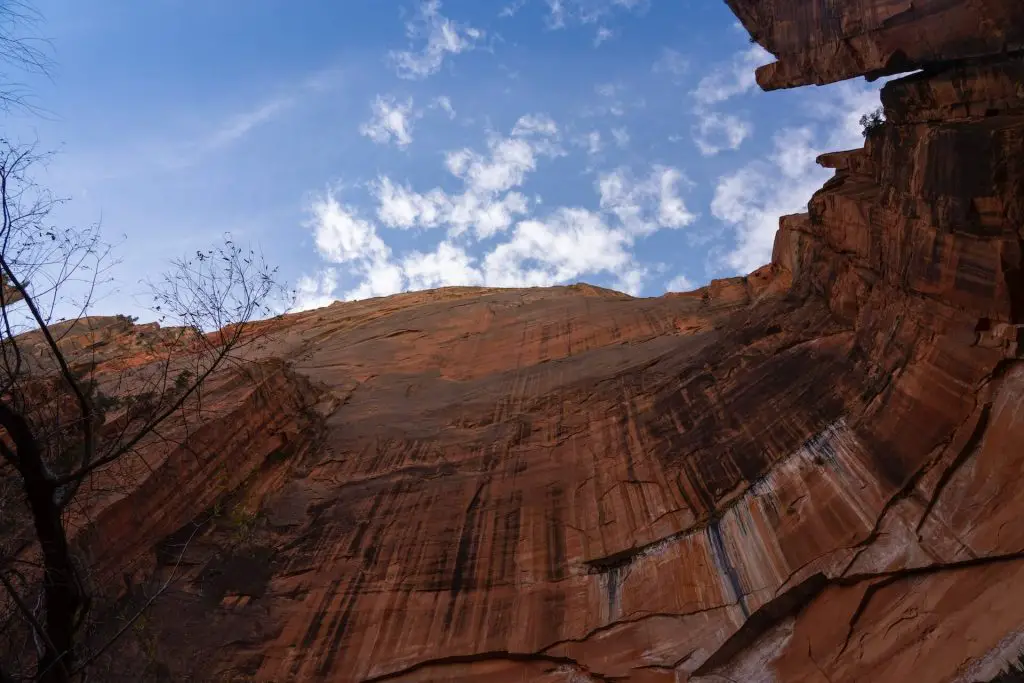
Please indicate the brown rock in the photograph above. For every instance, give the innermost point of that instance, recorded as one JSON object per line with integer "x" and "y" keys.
{"x": 824, "y": 41}
{"x": 810, "y": 473}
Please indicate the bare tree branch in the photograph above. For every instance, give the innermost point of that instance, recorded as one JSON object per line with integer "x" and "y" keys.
{"x": 67, "y": 408}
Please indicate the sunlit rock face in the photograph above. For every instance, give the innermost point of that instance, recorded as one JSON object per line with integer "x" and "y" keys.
{"x": 812, "y": 473}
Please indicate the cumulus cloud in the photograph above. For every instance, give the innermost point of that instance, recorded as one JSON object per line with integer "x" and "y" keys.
{"x": 522, "y": 245}
{"x": 391, "y": 121}
{"x": 341, "y": 236}
{"x": 646, "y": 205}
{"x": 508, "y": 159}
{"x": 400, "y": 207}
{"x": 380, "y": 278}
{"x": 489, "y": 202}
{"x": 560, "y": 248}
{"x": 447, "y": 266}
{"x": 441, "y": 37}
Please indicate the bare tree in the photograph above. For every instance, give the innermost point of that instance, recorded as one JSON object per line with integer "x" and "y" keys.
{"x": 69, "y": 412}
{"x": 20, "y": 52}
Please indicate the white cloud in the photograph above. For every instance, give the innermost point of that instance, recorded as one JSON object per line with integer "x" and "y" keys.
{"x": 391, "y": 121}
{"x": 443, "y": 37}
{"x": 380, "y": 278}
{"x": 569, "y": 243}
{"x": 794, "y": 154}
{"x": 563, "y": 12}
{"x": 511, "y": 9}
{"x": 647, "y": 205}
{"x": 611, "y": 101}
{"x": 716, "y": 132}
{"x": 631, "y": 281}
{"x": 680, "y": 283}
{"x": 593, "y": 142}
{"x": 239, "y": 126}
{"x": 341, "y": 235}
{"x": 562, "y": 245}
{"x": 841, "y": 111}
{"x": 489, "y": 202}
{"x": 736, "y": 79}
{"x": 401, "y": 207}
{"x": 484, "y": 215}
{"x": 752, "y": 198}
{"x": 315, "y": 291}
{"x": 673, "y": 63}
{"x": 621, "y": 136}
{"x": 444, "y": 103}
{"x": 535, "y": 125}
{"x": 603, "y": 34}
{"x": 447, "y": 266}
{"x": 509, "y": 159}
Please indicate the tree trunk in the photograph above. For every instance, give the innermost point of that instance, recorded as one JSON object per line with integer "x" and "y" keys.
{"x": 61, "y": 589}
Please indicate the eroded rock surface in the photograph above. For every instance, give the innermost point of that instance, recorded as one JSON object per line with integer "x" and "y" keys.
{"x": 810, "y": 474}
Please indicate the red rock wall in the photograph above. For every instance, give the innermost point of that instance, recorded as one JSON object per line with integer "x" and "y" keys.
{"x": 812, "y": 473}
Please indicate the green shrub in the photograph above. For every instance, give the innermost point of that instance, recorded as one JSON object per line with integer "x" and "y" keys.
{"x": 872, "y": 123}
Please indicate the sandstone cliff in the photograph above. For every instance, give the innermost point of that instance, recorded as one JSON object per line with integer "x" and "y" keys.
{"x": 810, "y": 474}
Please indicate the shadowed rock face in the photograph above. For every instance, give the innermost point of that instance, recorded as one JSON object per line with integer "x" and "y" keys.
{"x": 812, "y": 473}
{"x": 824, "y": 41}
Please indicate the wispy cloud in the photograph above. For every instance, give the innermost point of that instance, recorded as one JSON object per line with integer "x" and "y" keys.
{"x": 237, "y": 127}
{"x": 724, "y": 83}
{"x": 716, "y": 132}
{"x": 441, "y": 37}
{"x": 511, "y": 9}
{"x": 621, "y": 136}
{"x": 603, "y": 34}
{"x": 564, "y": 12}
{"x": 444, "y": 103}
{"x": 672, "y": 63}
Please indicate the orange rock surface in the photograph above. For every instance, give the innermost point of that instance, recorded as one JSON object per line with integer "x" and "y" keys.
{"x": 813, "y": 473}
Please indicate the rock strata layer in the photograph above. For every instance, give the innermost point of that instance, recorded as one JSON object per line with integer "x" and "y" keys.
{"x": 813, "y": 473}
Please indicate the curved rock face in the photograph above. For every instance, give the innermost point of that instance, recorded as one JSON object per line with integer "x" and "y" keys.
{"x": 812, "y": 473}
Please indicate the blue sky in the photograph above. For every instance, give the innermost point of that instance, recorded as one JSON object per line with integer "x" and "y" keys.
{"x": 370, "y": 147}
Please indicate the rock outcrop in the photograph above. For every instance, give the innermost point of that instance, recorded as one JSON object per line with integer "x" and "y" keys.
{"x": 813, "y": 473}
{"x": 824, "y": 41}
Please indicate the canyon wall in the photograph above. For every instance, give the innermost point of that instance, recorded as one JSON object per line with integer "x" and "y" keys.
{"x": 813, "y": 473}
